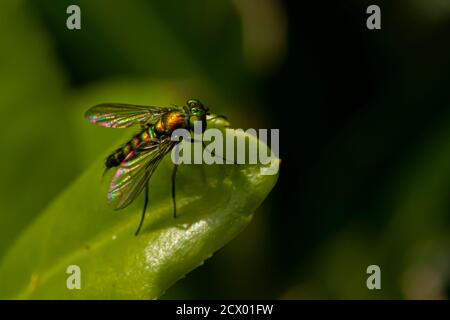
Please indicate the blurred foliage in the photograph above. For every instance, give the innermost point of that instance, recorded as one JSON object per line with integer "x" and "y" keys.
{"x": 363, "y": 118}
{"x": 32, "y": 103}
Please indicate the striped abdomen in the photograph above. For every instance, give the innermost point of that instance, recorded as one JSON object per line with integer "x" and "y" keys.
{"x": 137, "y": 141}
{"x": 162, "y": 128}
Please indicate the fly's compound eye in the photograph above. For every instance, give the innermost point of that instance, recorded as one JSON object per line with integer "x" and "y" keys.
{"x": 194, "y": 103}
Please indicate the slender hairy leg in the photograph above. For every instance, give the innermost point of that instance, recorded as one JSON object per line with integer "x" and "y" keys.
{"x": 143, "y": 211}
{"x": 174, "y": 173}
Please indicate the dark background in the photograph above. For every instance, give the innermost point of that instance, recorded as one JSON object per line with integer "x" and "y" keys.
{"x": 364, "y": 119}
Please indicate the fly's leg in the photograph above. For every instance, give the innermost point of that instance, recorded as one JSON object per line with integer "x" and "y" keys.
{"x": 143, "y": 211}
{"x": 174, "y": 173}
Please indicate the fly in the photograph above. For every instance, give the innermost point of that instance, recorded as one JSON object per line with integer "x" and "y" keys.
{"x": 136, "y": 160}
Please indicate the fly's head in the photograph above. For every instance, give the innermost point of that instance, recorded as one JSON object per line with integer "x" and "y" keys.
{"x": 197, "y": 112}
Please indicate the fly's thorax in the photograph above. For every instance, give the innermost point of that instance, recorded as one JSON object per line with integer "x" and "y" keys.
{"x": 169, "y": 122}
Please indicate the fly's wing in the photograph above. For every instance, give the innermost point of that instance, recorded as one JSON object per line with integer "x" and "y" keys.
{"x": 119, "y": 115}
{"x": 135, "y": 171}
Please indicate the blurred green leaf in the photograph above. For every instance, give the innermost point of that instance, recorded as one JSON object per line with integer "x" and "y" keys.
{"x": 214, "y": 203}
{"x": 37, "y": 161}
{"x": 162, "y": 39}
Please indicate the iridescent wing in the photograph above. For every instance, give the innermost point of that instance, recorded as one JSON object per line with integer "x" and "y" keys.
{"x": 135, "y": 171}
{"x": 119, "y": 115}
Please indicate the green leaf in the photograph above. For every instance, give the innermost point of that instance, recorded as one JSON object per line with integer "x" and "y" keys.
{"x": 32, "y": 100}
{"x": 214, "y": 204}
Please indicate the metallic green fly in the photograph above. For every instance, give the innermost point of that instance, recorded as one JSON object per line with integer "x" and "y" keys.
{"x": 137, "y": 160}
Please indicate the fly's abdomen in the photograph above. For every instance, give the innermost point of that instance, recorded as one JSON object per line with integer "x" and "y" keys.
{"x": 116, "y": 158}
{"x": 143, "y": 138}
